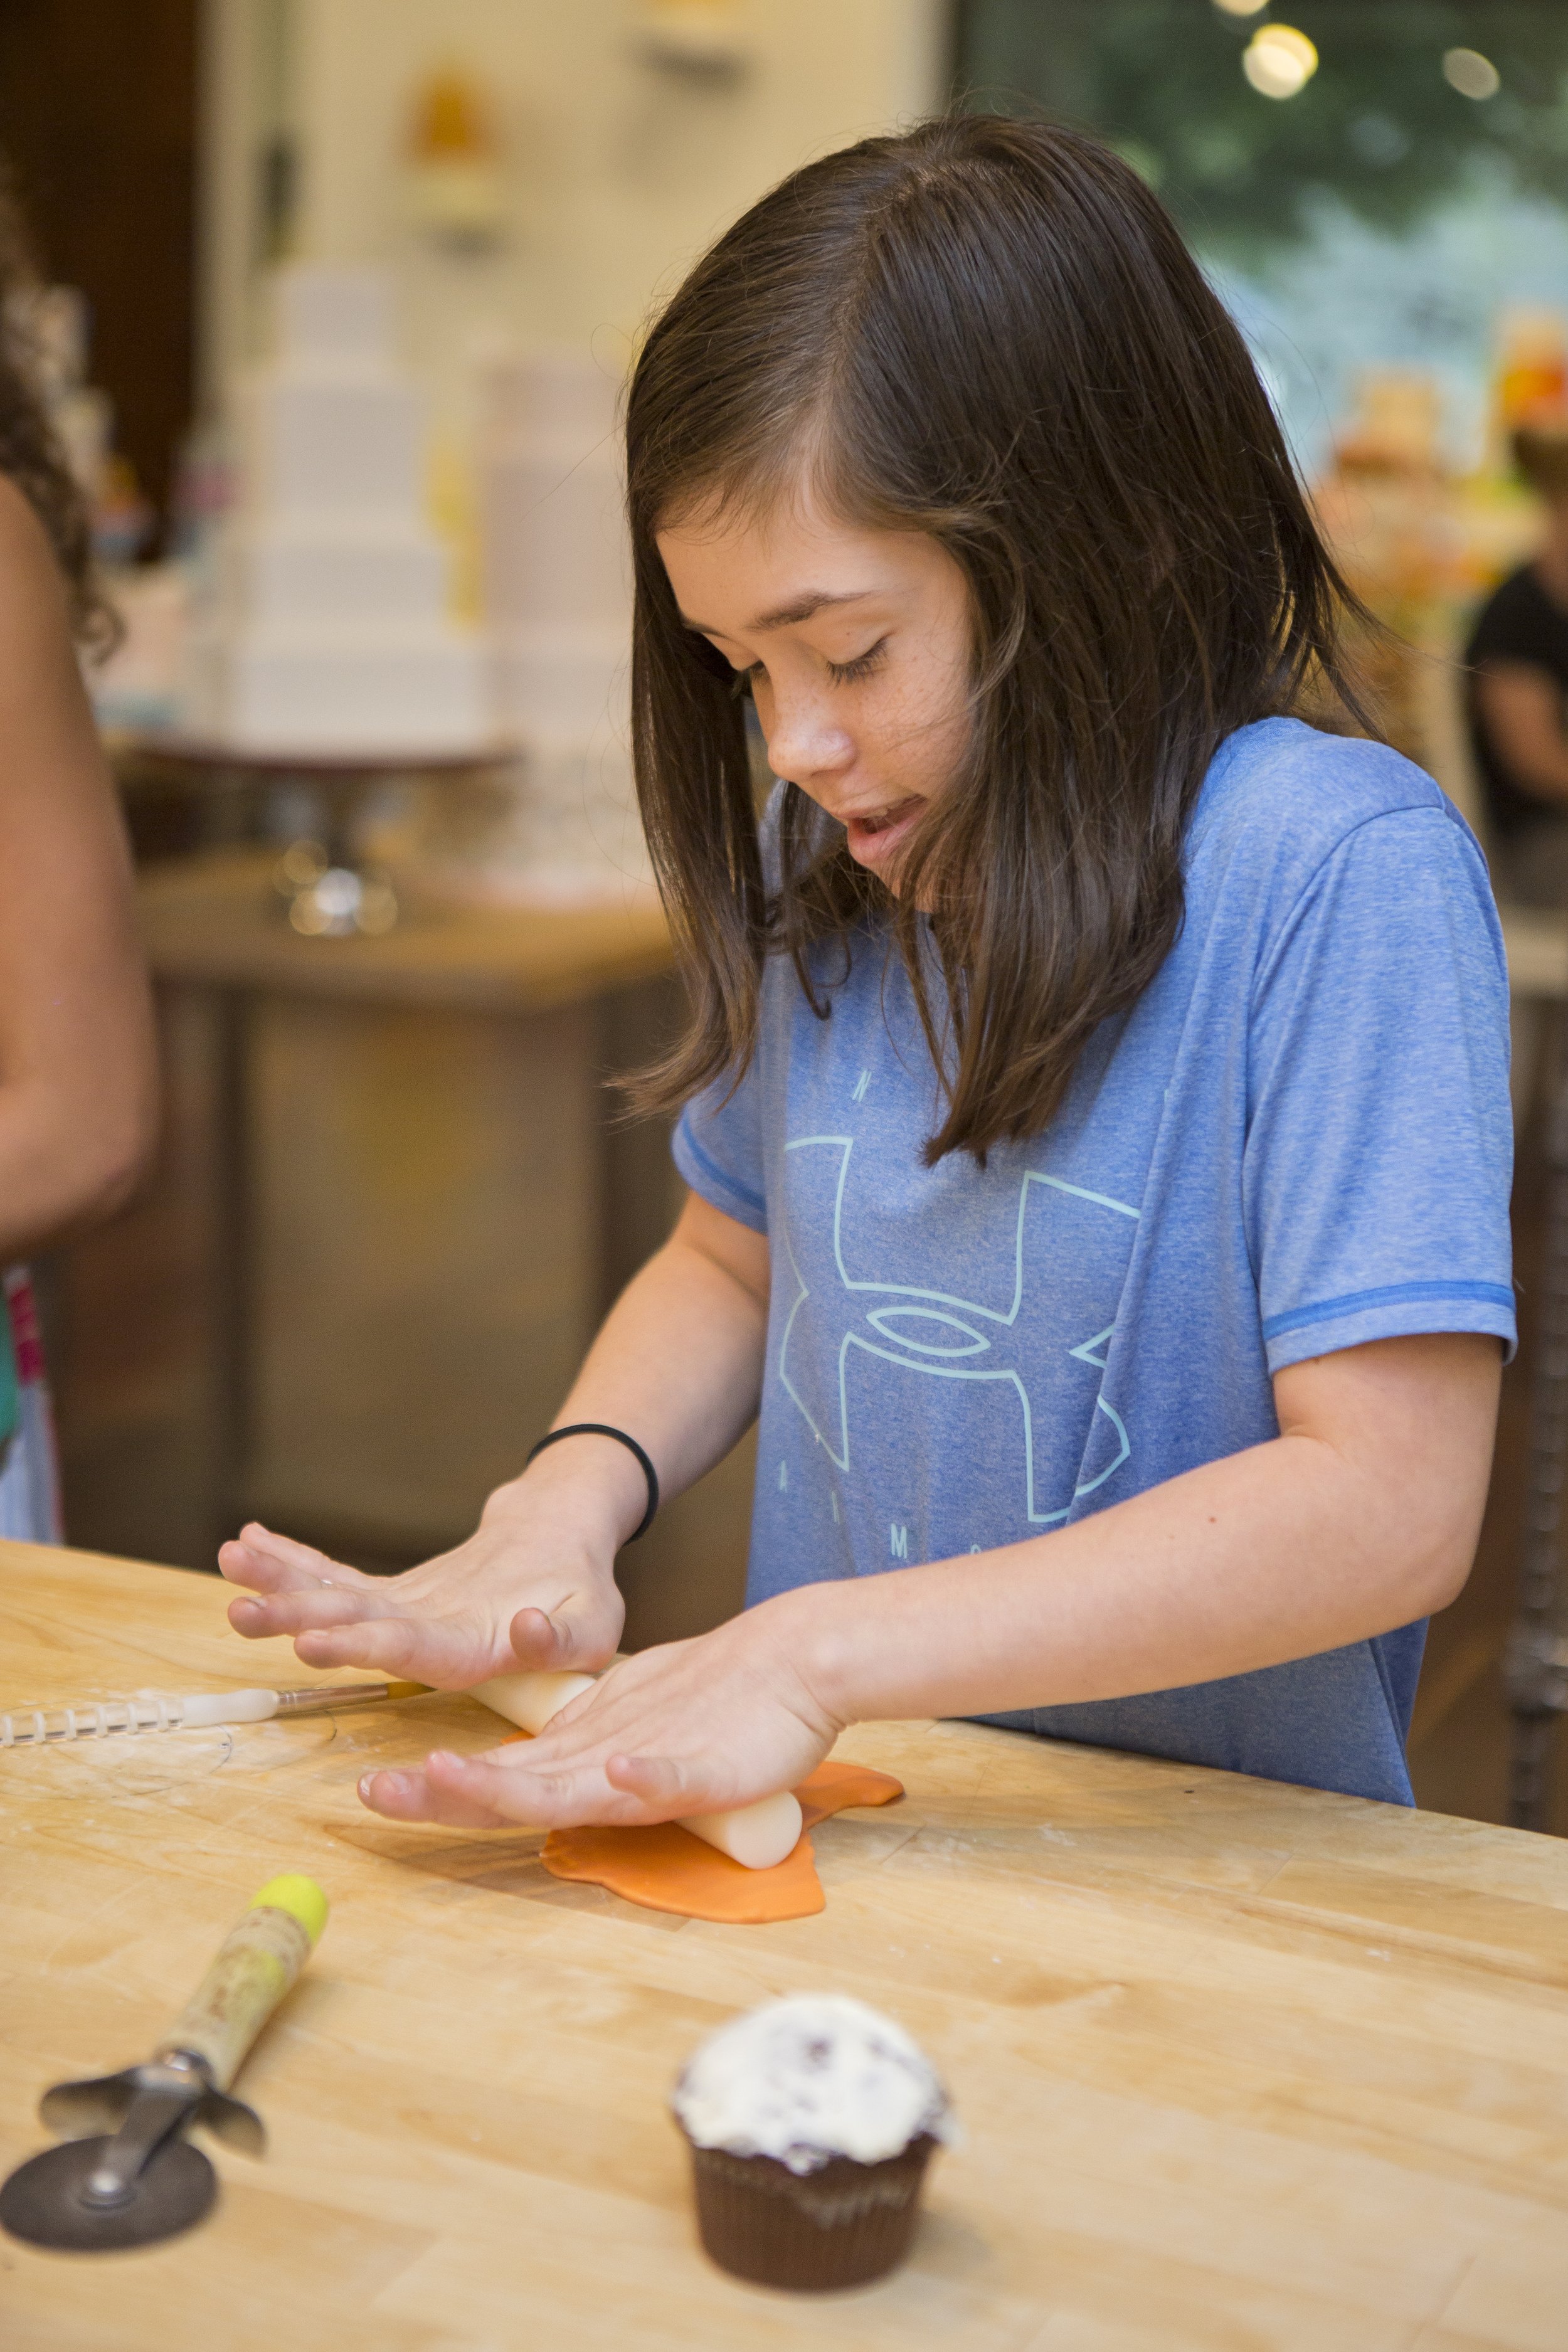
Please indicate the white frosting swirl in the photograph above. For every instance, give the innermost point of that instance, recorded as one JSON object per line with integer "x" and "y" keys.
{"x": 810, "y": 2078}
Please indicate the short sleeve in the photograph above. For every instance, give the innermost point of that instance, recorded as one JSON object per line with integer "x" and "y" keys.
{"x": 718, "y": 1149}
{"x": 1380, "y": 1140}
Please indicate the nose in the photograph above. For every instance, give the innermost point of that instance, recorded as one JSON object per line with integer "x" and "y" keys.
{"x": 803, "y": 739}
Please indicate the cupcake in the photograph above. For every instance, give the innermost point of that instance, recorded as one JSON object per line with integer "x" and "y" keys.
{"x": 811, "y": 2122}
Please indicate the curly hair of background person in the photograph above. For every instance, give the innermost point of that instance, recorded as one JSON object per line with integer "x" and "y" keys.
{"x": 30, "y": 453}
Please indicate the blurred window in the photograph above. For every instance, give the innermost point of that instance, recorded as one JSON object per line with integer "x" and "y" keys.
{"x": 1371, "y": 182}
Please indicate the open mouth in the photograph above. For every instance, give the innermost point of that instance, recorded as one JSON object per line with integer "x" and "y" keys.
{"x": 872, "y": 835}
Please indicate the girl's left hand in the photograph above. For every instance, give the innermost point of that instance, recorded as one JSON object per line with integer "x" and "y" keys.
{"x": 694, "y": 1727}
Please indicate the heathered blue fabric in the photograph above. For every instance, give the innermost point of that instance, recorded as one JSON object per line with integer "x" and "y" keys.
{"x": 1298, "y": 1140}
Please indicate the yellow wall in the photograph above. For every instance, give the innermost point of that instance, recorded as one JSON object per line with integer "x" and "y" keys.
{"x": 617, "y": 174}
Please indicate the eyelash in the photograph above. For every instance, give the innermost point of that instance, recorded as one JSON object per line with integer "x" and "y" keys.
{"x": 841, "y": 673}
{"x": 845, "y": 673}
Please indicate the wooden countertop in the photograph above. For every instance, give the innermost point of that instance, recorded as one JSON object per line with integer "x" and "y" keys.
{"x": 1240, "y": 2065}
{"x": 215, "y": 919}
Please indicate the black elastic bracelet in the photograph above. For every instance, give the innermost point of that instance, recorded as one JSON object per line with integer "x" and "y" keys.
{"x": 603, "y": 1429}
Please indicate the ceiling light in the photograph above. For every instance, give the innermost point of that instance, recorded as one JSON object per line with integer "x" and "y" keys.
{"x": 1241, "y": 7}
{"x": 1279, "y": 60}
{"x": 1470, "y": 74}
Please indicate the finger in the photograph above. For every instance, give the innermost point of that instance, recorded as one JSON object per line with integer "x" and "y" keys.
{"x": 539, "y": 1642}
{"x": 294, "y": 1612}
{"x": 659, "y": 1781}
{"x": 276, "y": 1564}
{"x": 446, "y": 1656}
{"x": 246, "y": 1617}
{"x": 528, "y": 1798}
{"x": 242, "y": 1565}
{"x": 294, "y": 1554}
{"x": 567, "y": 1718}
{"x": 550, "y": 1642}
{"x": 409, "y": 1797}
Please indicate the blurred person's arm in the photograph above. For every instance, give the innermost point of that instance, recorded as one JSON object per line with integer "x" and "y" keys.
{"x": 1520, "y": 707}
{"x": 78, "y": 1072}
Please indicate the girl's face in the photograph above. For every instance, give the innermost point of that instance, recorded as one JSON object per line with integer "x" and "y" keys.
{"x": 856, "y": 647}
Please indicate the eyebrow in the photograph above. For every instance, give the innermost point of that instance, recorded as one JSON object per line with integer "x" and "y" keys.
{"x": 787, "y": 617}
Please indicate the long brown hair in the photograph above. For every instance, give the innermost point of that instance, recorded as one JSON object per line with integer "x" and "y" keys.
{"x": 29, "y": 453}
{"x": 989, "y": 331}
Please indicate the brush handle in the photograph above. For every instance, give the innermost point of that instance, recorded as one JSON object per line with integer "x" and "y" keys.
{"x": 255, "y": 1966}
{"x": 200, "y": 1709}
{"x": 330, "y": 1698}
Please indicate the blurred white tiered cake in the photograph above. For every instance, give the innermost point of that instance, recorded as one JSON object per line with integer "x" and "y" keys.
{"x": 558, "y": 601}
{"x": 329, "y": 629}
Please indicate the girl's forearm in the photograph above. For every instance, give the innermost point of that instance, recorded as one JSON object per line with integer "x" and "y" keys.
{"x": 1236, "y": 1566}
{"x": 678, "y": 1362}
{"x": 1292, "y": 1548}
{"x": 677, "y": 1365}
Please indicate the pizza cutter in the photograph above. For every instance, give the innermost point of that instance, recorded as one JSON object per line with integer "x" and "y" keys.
{"x": 125, "y": 2175}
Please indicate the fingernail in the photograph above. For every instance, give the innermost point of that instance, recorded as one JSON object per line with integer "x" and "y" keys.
{"x": 397, "y": 1784}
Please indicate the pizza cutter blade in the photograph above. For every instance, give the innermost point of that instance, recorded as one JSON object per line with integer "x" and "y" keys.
{"x": 129, "y": 2189}
{"x": 143, "y": 2181}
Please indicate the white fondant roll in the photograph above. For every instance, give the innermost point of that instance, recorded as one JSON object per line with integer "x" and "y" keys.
{"x": 530, "y": 1700}
{"x": 757, "y": 1836}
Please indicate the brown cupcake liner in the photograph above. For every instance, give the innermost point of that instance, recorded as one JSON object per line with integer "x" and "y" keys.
{"x": 840, "y": 2226}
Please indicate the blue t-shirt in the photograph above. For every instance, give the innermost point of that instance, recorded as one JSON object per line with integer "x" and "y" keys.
{"x": 1298, "y": 1140}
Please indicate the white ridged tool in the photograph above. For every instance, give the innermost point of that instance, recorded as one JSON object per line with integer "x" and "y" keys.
{"x": 39, "y": 1727}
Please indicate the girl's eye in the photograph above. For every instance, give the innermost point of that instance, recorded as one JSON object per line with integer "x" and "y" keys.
{"x": 744, "y": 680}
{"x": 845, "y": 673}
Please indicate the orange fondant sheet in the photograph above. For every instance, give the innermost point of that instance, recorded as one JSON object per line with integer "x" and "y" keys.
{"x": 665, "y": 1868}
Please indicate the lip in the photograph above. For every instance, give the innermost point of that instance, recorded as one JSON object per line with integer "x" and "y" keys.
{"x": 874, "y": 836}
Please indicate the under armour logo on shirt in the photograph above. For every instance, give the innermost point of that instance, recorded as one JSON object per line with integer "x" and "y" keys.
{"x": 939, "y": 1336}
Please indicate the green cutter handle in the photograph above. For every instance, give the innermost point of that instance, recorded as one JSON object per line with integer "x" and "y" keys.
{"x": 256, "y": 1963}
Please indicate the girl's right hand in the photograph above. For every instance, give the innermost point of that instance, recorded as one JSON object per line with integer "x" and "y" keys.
{"x": 532, "y": 1587}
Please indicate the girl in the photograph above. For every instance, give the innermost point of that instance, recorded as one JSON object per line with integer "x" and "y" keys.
{"x": 1095, "y": 1102}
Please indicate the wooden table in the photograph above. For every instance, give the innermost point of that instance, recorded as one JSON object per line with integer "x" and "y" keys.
{"x": 1241, "y": 2065}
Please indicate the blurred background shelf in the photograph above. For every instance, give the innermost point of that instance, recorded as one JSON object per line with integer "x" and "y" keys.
{"x": 218, "y": 921}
